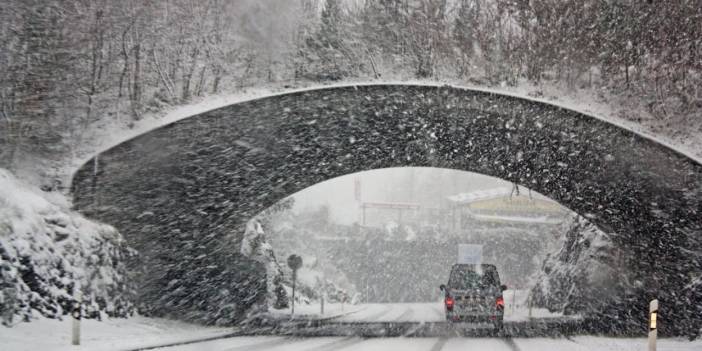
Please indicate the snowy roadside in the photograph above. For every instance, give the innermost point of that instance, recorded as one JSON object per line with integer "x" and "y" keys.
{"x": 108, "y": 335}
{"x": 517, "y": 308}
{"x": 106, "y": 135}
{"x": 312, "y": 311}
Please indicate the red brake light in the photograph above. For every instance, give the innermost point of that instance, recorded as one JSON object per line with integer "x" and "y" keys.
{"x": 449, "y": 302}
{"x": 500, "y": 302}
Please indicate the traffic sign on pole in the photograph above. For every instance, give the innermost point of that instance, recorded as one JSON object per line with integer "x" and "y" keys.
{"x": 294, "y": 262}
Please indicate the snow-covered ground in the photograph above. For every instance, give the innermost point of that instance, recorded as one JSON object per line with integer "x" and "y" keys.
{"x": 141, "y": 332}
{"x": 586, "y": 343}
{"x": 108, "y": 335}
{"x": 313, "y": 311}
{"x": 408, "y": 312}
{"x": 517, "y": 307}
{"x": 398, "y": 312}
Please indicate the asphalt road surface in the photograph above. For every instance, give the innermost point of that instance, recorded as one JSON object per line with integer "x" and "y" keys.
{"x": 580, "y": 343}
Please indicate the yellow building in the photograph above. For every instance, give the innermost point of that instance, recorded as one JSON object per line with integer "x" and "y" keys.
{"x": 504, "y": 205}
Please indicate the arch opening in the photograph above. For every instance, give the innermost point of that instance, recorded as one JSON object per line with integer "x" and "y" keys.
{"x": 384, "y": 240}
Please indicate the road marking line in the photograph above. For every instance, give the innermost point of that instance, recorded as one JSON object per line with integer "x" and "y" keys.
{"x": 263, "y": 345}
{"x": 512, "y": 345}
{"x": 439, "y": 344}
{"x": 337, "y": 344}
{"x": 409, "y": 311}
{"x": 374, "y": 317}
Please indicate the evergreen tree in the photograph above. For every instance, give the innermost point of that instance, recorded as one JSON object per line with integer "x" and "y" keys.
{"x": 327, "y": 44}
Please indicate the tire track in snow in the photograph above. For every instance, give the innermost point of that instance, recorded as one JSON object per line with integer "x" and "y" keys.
{"x": 337, "y": 344}
{"x": 439, "y": 344}
{"x": 373, "y": 317}
{"x": 511, "y": 344}
{"x": 262, "y": 345}
{"x": 404, "y": 317}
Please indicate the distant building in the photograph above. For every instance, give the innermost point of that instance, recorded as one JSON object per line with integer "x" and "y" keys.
{"x": 379, "y": 214}
{"x": 503, "y": 206}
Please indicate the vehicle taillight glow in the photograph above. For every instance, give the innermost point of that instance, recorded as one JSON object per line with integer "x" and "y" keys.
{"x": 500, "y": 302}
{"x": 449, "y": 303}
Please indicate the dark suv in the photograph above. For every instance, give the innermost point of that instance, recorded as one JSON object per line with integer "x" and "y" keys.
{"x": 474, "y": 294}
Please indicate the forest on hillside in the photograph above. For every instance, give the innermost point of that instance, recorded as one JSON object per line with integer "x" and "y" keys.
{"x": 69, "y": 64}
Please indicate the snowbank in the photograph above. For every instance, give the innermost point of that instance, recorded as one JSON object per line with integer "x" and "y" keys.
{"x": 48, "y": 252}
{"x": 108, "y": 335}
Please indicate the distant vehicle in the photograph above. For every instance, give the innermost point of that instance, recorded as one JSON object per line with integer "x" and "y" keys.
{"x": 474, "y": 294}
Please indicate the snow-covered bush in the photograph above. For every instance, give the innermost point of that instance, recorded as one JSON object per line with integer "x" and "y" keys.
{"x": 583, "y": 274}
{"x": 255, "y": 246}
{"x": 48, "y": 252}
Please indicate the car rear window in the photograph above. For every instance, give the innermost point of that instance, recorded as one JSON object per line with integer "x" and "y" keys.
{"x": 464, "y": 278}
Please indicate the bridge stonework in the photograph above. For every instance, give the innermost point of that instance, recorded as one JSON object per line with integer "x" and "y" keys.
{"x": 181, "y": 194}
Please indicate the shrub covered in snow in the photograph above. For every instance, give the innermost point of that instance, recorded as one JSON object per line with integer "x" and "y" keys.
{"x": 255, "y": 246}
{"x": 48, "y": 252}
{"x": 585, "y": 275}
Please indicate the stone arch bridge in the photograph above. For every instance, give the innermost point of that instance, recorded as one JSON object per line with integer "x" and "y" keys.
{"x": 182, "y": 194}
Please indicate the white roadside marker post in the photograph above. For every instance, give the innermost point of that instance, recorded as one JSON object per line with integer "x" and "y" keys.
{"x": 75, "y": 339}
{"x": 322, "y": 305}
{"x": 652, "y": 327}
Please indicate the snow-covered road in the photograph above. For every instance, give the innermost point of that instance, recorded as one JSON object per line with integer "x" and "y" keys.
{"x": 400, "y": 312}
{"x": 141, "y": 333}
{"x": 411, "y": 320}
{"x": 515, "y": 310}
{"x": 585, "y": 343}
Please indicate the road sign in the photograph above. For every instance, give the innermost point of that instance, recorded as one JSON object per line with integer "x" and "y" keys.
{"x": 294, "y": 262}
{"x": 470, "y": 254}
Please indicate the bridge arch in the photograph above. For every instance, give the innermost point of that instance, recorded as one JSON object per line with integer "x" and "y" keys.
{"x": 186, "y": 189}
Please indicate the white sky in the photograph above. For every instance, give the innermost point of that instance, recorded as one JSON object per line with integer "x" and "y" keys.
{"x": 426, "y": 186}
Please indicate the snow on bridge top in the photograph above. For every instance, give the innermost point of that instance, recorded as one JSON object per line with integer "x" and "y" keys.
{"x": 105, "y": 138}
